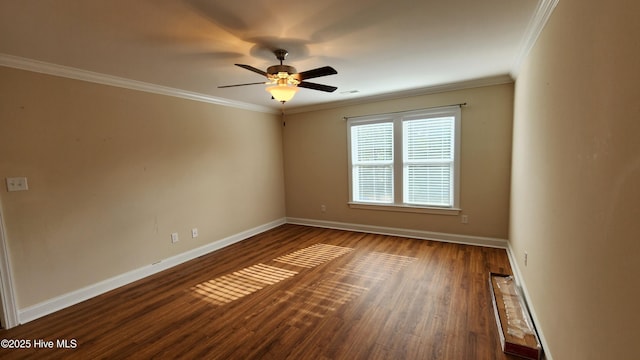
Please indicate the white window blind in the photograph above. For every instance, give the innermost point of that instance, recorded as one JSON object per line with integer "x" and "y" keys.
{"x": 428, "y": 161}
{"x": 408, "y": 159}
{"x": 372, "y": 160}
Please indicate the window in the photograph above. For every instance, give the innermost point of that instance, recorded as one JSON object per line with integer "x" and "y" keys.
{"x": 407, "y": 161}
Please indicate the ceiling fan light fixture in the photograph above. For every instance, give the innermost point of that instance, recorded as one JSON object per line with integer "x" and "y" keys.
{"x": 282, "y": 92}
{"x": 284, "y": 81}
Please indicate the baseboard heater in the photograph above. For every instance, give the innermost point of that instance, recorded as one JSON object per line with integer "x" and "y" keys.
{"x": 517, "y": 333}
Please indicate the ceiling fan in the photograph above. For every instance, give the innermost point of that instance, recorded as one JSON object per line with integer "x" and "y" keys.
{"x": 285, "y": 81}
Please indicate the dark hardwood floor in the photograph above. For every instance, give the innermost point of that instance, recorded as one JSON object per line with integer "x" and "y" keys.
{"x": 293, "y": 292}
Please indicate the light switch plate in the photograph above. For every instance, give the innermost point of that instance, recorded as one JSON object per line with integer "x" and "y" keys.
{"x": 17, "y": 184}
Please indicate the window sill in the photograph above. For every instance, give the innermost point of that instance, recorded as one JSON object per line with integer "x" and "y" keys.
{"x": 406, "y": 208}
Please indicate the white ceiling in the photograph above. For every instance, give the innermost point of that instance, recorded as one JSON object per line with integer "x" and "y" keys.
{"x": 378, "y": 47}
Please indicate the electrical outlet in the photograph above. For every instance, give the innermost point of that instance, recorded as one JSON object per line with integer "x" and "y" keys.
{"x": 526, "y": 258}
{"x": 323, "y": 208}
{"x": 174, "y": 238}
{"x": 17, "y": 184}
{"x": 194, "y": 233}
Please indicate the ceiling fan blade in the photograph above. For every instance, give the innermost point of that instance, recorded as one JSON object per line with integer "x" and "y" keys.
{"x": 314, "y": 86}
{"x": 314, "y": 73}
{"x": 251, "y": 68}
{"x": 255, "y": 83}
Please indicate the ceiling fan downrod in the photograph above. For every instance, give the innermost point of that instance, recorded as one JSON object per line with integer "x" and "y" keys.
{"x": 274, "y": 70}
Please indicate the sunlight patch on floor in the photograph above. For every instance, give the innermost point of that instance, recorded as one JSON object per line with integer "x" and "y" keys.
{"x": 313, "y": 255}
{"x": 311, "y": 301}
{"x": 315, "y": 301}
{"x": 376, "y": 266}
{"x": 319, "y": 300}
{"x": 228, "y": 288}
{"x": 241, "y": 283}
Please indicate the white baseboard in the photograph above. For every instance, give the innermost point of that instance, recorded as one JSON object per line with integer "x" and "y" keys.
{"x": 416, "y": 234}
{"x": 58, "y": 303}
{"x": 63, "y": 301}
{"x": 520, "y": 283}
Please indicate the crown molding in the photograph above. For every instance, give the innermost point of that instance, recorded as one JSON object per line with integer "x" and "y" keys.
{"x": 534, "y": 29}
{"x": 537, "y": 23}
{"x": 104, "y": 79}
{"x": 461, "y": 85}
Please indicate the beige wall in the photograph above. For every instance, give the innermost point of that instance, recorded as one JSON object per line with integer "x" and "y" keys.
{"x": 316, "y": 171}
{"x": 576, "y": 179}
{"x": 113, "y": 172}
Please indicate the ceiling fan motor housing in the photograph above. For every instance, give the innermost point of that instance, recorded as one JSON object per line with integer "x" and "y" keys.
{"x": 276, "y": 72}
{"x": 275, "y": 69}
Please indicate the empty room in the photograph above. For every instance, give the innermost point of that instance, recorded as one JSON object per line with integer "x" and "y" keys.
{"x": 204, "y": 179}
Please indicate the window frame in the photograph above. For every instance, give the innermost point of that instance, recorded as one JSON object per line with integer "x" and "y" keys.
{"x": 398, "y": 119}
